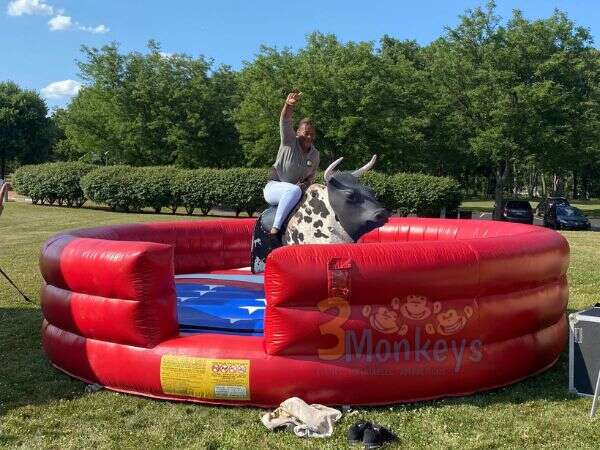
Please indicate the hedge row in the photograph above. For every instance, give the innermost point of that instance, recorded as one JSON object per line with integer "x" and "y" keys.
{"x": 125, "y": 188}
{"x": 52, "y": 183}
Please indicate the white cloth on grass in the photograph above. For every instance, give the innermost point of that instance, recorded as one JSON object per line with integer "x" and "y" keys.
{"x": 305, "y": 420}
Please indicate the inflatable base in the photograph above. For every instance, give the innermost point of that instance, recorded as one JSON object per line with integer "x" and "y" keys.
{"x": 418, "y": 309}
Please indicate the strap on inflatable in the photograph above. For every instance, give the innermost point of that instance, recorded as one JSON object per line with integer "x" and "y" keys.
{"x": 339, "y": 271}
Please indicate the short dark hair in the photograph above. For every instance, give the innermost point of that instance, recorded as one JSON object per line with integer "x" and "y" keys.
{"x": 306, "y": 121}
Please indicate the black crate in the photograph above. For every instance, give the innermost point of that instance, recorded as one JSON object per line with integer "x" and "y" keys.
{"x": 584, "y": 351}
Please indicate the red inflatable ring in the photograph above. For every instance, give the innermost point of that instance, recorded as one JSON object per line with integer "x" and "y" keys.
{"x": 419, "y": 309}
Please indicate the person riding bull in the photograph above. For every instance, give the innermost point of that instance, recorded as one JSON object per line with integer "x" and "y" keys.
{"x": 295, "y": 166}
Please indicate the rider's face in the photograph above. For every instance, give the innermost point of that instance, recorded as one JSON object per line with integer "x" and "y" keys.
{"x": 306, "y": 134}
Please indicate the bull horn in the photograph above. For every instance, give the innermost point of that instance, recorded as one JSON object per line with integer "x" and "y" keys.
{"x": 330, "y": 169}
{"x": 359, "y": 172}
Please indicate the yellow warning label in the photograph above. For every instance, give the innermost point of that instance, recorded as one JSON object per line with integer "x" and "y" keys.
{"x": 205, "y": 377}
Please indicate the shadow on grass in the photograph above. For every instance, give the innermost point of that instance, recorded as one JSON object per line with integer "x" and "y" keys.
{"x": 26, "y": 375}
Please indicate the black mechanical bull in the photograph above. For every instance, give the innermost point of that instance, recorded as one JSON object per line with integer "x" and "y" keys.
{"x": 340, "y": 212}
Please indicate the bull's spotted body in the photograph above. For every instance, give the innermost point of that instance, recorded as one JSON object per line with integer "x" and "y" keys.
{"x": 340, "y": 212}
{"x": 313, "y": 221}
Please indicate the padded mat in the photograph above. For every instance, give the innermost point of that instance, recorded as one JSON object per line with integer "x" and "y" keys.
{"x": 231, "y": 303}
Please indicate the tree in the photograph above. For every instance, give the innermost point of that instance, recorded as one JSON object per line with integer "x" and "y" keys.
{"x": 511, "y": 89}
{"x": 26, "y": 134}
{"x": 151, "y": 109}
{"x": 363, "y": 100}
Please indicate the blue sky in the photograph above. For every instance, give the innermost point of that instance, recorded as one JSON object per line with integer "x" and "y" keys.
{"x": 40, "y": 39}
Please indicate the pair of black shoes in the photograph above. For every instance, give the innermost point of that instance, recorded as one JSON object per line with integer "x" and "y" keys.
{"x": 369, "y": 434}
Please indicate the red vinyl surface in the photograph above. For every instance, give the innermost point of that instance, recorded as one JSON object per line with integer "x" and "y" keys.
{"x": 419, "y": 309}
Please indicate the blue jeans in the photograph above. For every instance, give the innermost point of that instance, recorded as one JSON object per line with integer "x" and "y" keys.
{"x": 284, "y": 196}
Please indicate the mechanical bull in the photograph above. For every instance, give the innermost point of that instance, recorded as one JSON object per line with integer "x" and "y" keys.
{"x": 342, "y": 211}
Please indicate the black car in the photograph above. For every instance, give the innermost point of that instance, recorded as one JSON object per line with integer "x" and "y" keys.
{"x": 563, "y": 217}
{"x": 519, "y": 211}
{"x": 547, "y": 203}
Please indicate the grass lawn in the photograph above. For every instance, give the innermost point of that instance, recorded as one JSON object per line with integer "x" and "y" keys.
{"x": 42, "y": 408}
{"x": 591, "y": 208}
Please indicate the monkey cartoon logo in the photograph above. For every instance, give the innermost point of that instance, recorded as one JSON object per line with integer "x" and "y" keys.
{"x": 450, "y": 321}
{"x": 418, "y": 308}
{"x": 385, "y": 319}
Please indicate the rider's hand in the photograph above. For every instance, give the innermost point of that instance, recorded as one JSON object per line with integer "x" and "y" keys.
{"x": 293, "y": 98}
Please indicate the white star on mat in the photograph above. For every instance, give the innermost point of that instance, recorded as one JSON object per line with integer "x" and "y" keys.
{"x": 183, "y": 299}
{"x": 202, "y": 292}
{"x": 252, "y": 309}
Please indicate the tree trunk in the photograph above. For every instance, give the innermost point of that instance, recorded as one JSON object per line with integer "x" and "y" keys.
{"x": 586, "y": 186}
{"x": 531, "y": 184}
{"x": 575, "y": 181}
{"x": 501, "y": 176}
{"x": 543, "y": 180}
{"x": 557, "y": 186}
{"x": 3, "y": 167}
{"x": 490, "y": 186}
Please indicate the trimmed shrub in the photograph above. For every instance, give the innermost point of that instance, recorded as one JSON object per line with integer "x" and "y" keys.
{"x": 424, "y": 195}
{"x": 52, "y": 183}
{"x": 242, "y": 189}
{"x": 198, "y": 189}
{"x": 154, "y": 186}
{"x": 27, "y": 181}
{"x": 115, "y": 186}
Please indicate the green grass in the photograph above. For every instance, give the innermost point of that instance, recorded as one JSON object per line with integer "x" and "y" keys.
{"x": 591, "y": 208}
{"x": 42, "y": 408}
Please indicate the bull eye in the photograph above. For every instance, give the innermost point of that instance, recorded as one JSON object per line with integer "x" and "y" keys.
{"x": 351, "y": 196}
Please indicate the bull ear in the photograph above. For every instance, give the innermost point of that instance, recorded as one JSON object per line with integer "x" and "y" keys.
{"x": 331, "y": 168}
{"x": 359, "y": 172}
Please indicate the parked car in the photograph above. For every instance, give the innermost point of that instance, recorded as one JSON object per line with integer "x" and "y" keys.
{"x": 563, "y": 217}
{"x": 547, "y": 203}
{"x": 519, "y": 211}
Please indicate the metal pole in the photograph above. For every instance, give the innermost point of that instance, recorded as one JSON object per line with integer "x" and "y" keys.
{"x": 595, "y": 401}
{"x": 27, "y": 299}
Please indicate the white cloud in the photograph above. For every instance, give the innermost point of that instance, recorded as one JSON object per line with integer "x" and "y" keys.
{"x": 100, "y": 29}
{"x": 29, "y": 7}
{"x": 60, "y": 22}
{"x": 61, "y": 89}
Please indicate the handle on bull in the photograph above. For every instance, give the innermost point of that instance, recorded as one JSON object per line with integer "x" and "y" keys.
{"x": 27, "y": 299}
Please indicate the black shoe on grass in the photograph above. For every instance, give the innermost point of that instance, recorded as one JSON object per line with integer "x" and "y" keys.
{"x": 356, "y": 432}
{"x": 377, "y": 436}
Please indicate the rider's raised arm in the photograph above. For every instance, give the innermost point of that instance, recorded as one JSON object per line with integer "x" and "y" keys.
{"x": 286, "y": 128}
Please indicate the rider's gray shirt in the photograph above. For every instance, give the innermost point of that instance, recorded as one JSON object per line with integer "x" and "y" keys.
{"x": 292, "y": 163}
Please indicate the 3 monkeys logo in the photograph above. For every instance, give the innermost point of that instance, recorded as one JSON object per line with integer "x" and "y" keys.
{"x": 384, "y": 319}
{"x": 393, "y": 319}
{"x": 411, "y": 327}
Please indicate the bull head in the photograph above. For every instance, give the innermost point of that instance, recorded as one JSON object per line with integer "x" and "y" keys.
{"x": 354, "y": 204}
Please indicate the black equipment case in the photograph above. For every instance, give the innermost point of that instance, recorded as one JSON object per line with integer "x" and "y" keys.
{"x": 584, "y": 351}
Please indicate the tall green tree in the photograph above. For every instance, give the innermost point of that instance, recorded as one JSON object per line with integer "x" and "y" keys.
{"x": 510, "y": 89}
{"x": 26, "y": 133}
{"x": 152, "y": 109}
{"x": 362, "y": 100}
